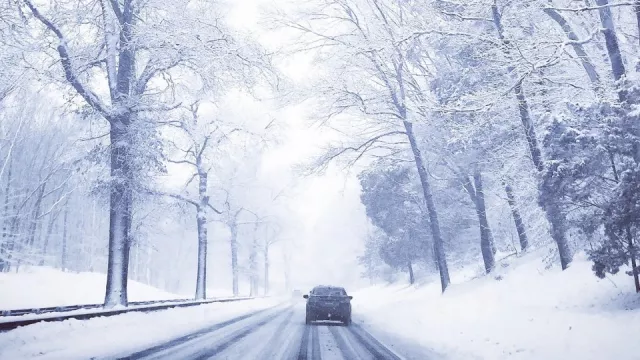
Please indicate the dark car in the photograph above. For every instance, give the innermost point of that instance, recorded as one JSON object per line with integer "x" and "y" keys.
{"x": 328, "y": 303}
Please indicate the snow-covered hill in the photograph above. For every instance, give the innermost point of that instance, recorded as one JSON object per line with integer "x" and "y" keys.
{"x": 530, "y": 313}
{"x": 46, "y": 286}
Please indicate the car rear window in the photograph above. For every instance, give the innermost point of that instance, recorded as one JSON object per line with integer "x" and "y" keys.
{"x": 329, "y": 292}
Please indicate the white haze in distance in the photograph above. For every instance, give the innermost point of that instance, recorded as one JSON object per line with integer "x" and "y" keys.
{"x": 328, "y": 222}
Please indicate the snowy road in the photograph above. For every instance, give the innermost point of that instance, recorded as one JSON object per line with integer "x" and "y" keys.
{"x": 276, "y": 333}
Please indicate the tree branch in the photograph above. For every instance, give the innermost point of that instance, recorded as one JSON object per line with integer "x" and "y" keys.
{"x": 69, "y": 73}
{"x": 116, "y": 9}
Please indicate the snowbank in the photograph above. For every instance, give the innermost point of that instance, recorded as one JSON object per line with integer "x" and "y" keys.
{"x": 115, "y": 336}
{"x": 531, "y": 313}
{"x": 46, "y": 286}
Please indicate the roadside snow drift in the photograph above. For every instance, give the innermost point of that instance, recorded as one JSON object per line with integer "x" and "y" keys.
{"x": 116, "y": 336}
{"x": 530, "y": 313}
{"x": 46, "y": 286}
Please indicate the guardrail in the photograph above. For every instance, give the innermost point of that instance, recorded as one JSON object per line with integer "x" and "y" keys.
{"x": 12, "y": 319}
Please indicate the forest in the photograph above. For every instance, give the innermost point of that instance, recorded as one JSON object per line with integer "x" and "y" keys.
{"x": 133, "y": 133}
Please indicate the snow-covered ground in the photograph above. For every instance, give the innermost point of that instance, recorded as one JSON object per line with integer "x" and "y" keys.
{"x": 45, "y": 286}
{"x": 531, "y": 313}
{"x": 109, "y": 337}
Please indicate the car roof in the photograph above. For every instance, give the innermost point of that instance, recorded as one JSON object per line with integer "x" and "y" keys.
{"x": 329, "y": 287}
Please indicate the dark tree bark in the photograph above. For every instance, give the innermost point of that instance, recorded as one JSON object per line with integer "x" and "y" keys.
{"x": 119, "y": 215}
{"x": 632, "y": 255}
{"x": 474, "y": 188}
{"x": 121, "y": 204}
{"x": 412, "y": 279}
{"x": 613, "y": 48}
{"x": 637, "y": 10}
{"x": 438, "y": 242}
{"x": 577, "y": 46}
{"x": 486, "y": 237}
{"x": 517, "y": 219}
{"x": 553, "y": 212}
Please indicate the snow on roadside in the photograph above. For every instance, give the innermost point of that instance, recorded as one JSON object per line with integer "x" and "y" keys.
{"x": 531, "y": 313}
{"x": 117, "y": 335}
{"x": 45, "y": 286}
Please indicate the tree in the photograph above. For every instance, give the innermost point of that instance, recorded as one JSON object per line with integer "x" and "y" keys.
{"x": 374, "y": 266}
{"x": 385, "y": 82}
{"x": 394, "y": 207}
{"x": 128, "y": 36}
{"x": 198, "y": 150}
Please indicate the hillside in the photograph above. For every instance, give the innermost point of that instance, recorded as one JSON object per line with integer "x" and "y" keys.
{"x": 530, "y": 313}
{"x": 46, "y": 286}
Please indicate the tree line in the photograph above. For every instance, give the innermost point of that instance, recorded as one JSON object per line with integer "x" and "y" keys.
{"x": 449, "y": 103}
{"x": 101, "y": 100}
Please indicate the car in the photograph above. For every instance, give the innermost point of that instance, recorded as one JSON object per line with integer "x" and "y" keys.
{"x": 296, "y": 294}
{"x": 328, "y": 303}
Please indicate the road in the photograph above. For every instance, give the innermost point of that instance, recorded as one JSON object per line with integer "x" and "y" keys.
{"x": 279, "y": 333}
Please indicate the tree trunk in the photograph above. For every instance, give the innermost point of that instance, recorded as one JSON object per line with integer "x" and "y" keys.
{"x": 65, "y": 222}
{"x": 45, "y": 246}
{"x": 253, "y": 264}
{"x": 554, "y": 214}
{"x": 234, "y": 259}
{"x": 613, "y": 48}
{"x": 121, "y": 202}
{"x": 411, "y": 277}
{"x": 119, "y": 215}
{"x": 4, "y": 264}
{"x": 33, "y": 225}
{"x": 431, "y": 208}
{"x": 637, "y": 10}
{"x": 517, "y": 219}
{"x": 201, "y": 279}
{"x": 13, "y": 234}
{"x": 577, "y": 46}
{"x": 486, "y": 238}
{"x": 266, "y": 269}
{"x": 632, "y": 255}
{"x": 35, "y": 217}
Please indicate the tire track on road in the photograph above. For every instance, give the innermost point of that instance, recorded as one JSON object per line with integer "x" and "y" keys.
{"x": 375, "y": 347}
{"x": 279, "y": 336}
{"x": 316, "y": 354}
{"x": 237, "y": 336}
{"x": 304, "y": 344}
{"x": 183, "y": 339}
{"x": 344, "y": 344}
